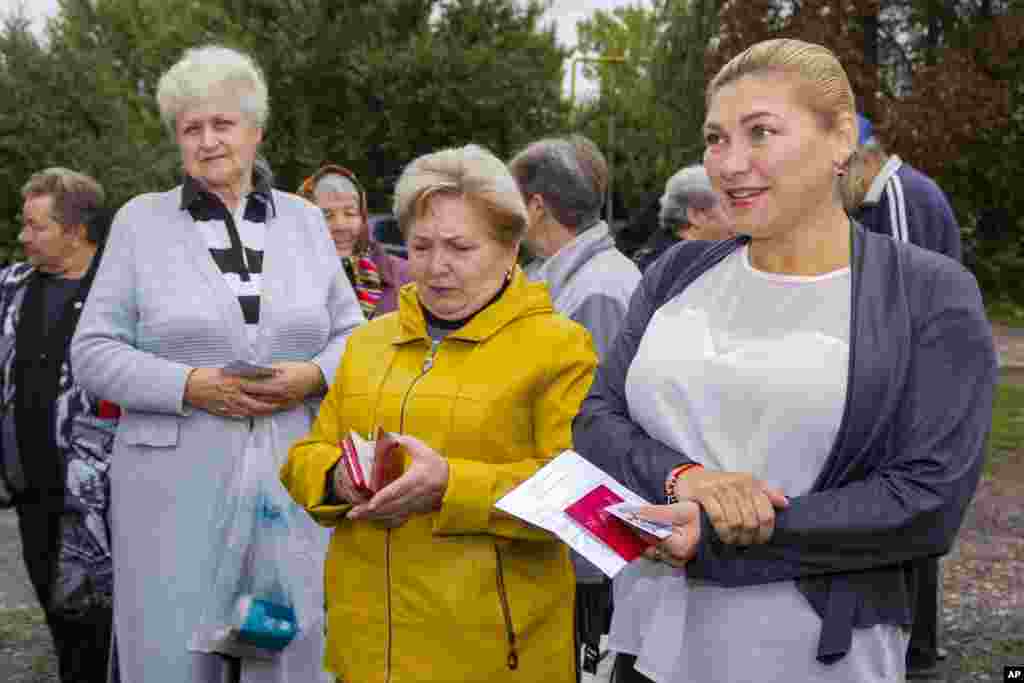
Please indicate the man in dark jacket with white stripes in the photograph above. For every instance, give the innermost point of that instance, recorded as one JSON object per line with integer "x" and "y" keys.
{"x": 889, "y": 196}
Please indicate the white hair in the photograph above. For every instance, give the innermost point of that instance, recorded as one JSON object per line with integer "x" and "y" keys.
{"x": 688, "y": 187}
{"x": 335, "y": 182}
{"x": 208, "y": 72}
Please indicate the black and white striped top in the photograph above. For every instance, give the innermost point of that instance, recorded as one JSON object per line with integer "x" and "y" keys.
{"x": 235, "y": 239}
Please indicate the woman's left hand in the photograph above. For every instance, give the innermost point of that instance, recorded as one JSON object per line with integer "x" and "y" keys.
{"x": 420, "y": 488}
{"x": 681, "y": 546}
{"x": 289, "y": 386}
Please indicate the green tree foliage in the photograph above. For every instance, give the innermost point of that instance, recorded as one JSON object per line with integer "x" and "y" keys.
{"x": 366, "y": 83}
{"x": 622, "y": 117}
{"x": 655, "y": 94}
{"x": 486, "y": 73}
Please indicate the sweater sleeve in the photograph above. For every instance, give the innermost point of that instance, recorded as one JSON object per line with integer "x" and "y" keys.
{"x": 342, "y": 305}
{"x": 474, "y": 487}
{"x": 103, "y": 350}
{"x": 603, "y": 431}
{"x": 912, "y": 502}
{"x": 602, "y": 315}
{"x": 935, "y": 217}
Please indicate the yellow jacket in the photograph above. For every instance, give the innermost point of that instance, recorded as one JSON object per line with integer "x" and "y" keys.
{"x": 465, "y": 593}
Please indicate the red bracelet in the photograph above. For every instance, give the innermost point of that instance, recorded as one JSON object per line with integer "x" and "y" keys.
{"x": 670, "y": 483}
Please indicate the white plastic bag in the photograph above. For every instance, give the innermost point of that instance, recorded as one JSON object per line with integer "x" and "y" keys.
{"x": 264, "y": 591}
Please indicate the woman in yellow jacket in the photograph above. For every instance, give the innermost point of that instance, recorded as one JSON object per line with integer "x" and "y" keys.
{"x": 426, "y": 580}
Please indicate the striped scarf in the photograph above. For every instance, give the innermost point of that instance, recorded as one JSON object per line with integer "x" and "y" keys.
{"x": 363, "y": 274}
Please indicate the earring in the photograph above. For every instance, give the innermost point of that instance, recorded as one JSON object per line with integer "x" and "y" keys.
{"x": 508, "y": 275}
{"x": 842, "y": 167}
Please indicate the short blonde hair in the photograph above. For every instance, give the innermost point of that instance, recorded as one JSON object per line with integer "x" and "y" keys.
{"x": 471, "y": 172}
{"x": 827, "y": 90}
{"x": 211, "y": 71}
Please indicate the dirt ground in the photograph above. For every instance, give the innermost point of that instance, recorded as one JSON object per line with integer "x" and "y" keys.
{"x": 26, "y": 654}
{"x": 983, "y": 580}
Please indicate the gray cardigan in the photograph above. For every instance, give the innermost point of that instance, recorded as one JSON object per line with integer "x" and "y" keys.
{"x": 159, "y": 307}
{"x": 591, "y": 283}
{"x": 907, "y": 457}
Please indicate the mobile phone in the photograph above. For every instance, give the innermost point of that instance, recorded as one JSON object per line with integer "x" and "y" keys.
{"x": 243, "y": 368}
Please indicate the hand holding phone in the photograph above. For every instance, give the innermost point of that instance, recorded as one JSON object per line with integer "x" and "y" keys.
{"x": 243, "y": 368}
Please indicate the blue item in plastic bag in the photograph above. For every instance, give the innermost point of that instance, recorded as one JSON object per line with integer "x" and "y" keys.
{"x": 263, "y": 588}
{"x": 265, "y": 624}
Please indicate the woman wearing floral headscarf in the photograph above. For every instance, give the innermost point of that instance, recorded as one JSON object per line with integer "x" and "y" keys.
{"x": 375, "y": 275}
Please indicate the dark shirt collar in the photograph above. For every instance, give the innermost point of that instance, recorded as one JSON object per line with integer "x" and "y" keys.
{"x": 446, "y": 326}
{"x": 204, "y": 205}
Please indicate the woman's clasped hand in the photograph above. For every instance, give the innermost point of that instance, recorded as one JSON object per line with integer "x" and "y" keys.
{"x": 740, "y": 507}
{"x": 216, "y": 392}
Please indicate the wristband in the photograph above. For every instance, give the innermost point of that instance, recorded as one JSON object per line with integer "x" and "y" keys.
{"x": 670, "y": 483}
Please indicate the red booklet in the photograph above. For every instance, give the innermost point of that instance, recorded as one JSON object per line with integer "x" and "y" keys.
{"x": 372, "y": 465}
{"x": 589, "y": 511}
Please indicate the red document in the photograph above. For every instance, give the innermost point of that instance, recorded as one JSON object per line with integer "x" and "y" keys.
{"x": 372, "y": 465}
{"x": 589, "y": 511}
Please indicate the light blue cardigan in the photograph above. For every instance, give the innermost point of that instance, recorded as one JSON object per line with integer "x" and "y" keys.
{"x": 160, "y": 307}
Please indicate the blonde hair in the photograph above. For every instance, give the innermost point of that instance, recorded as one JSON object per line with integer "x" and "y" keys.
{"x": 212, "y": 71}
{"x": 471, "y": 172}
{"x": 827, "y": 90}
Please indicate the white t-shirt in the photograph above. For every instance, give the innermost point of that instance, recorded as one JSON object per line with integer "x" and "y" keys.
{"x": 744, "y": 371}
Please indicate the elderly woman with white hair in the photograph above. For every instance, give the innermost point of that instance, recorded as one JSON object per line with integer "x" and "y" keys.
{"x": 219, "y": 269}
{"x": 426, "y": 580}
{"x": 690, "y": 210}
{"x": 375, "y": 274}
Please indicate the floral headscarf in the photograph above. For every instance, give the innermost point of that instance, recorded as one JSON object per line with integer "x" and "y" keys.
{"x": 362, "y": 272}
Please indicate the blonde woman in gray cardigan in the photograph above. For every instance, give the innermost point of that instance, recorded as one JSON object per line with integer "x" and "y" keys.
{"x": 219, "y": 269}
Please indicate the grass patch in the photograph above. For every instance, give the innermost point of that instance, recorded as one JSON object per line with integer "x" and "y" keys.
{"x": 1006, "y": 442}
{"x": 1006, "y": 312}
{"x": 26, "y": 653}
{"x": 986, "y": 662}
{"x": 20, "y": 626}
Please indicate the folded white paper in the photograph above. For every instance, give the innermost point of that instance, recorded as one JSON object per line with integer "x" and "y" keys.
{"x": 541, "y": 500}
{"x": 627, "y": 513}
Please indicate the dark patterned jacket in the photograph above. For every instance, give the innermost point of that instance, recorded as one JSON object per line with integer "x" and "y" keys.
{"x": 83, "y": 434}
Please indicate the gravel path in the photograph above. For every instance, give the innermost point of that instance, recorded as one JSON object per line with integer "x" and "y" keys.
{"x": 26, "y": 654}
{"x": 15, "y": 590}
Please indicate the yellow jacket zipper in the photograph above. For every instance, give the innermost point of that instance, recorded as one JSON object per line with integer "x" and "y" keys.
{"x": 387, "y": 603}
{"x": 510, "y": 632}
{"x": 428, "y": 363}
